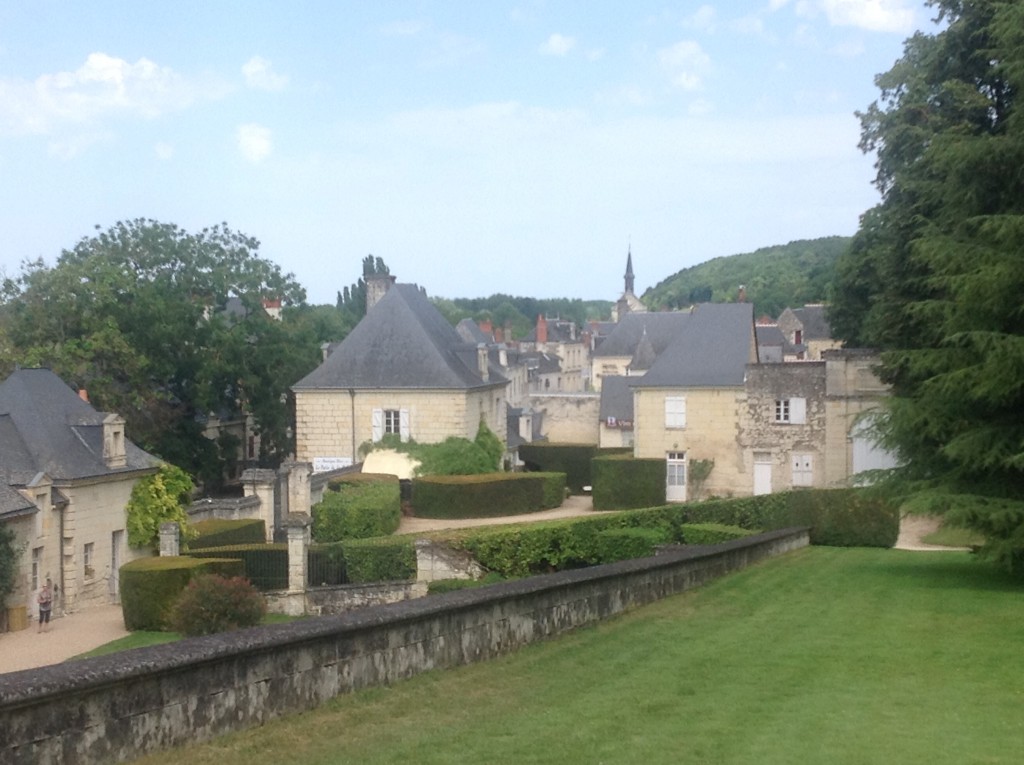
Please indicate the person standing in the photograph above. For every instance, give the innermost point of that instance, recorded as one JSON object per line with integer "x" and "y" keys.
{"x": 45, "y": 600}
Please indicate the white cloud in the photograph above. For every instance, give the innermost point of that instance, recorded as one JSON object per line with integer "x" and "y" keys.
{"x": 410, "y": 28}
{"x": 71, "y": 147}
{"x": 686, "y": 62}
{"x": 557, "y": 45}
{"x": 164, "y": 150}
{"x": 260, "y": 75}
{"x": 254, "y": 142}
{"x": 103, "y": 86}
{"x": 704, "y": 18}
{"x": 700, "y": 108}
{"x": 872, "y": 15}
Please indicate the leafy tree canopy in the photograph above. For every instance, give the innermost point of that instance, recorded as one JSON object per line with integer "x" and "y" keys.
{"x": 774, "y": 278}
{"x": 139, "y": 315}
{"x": 520, "y": 313}
{"x": 155, "y": 499}
{"x": 935, "y": 274}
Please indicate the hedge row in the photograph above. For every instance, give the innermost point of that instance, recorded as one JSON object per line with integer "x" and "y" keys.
{"x": 838, "y": 517}
{"x": 621, "y": 482}
{"x": 383, "y": 559}
{"x": 149, "y": 587}
{"x": 356, "y": 506}
{"x": 218, "y": 533}
{"x": 572, "y": 459}
{"x": 486, "y": 496}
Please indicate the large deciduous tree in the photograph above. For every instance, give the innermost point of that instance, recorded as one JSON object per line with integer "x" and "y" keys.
{"x": 935, "y": 275}
{"x": 137, "y": 316}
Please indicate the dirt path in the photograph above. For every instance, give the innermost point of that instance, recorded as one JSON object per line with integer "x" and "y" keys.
{"x": 913, "y": 528}
{"x": 572, "y": 507}
{"x": 68, "y": 636}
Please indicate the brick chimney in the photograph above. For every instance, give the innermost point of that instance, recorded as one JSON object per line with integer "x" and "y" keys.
{"x": 542, "y": 330}
{"x": 376, "y": 286}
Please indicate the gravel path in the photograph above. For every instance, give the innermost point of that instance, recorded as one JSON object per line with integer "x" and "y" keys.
{"x": 92, "y": 627}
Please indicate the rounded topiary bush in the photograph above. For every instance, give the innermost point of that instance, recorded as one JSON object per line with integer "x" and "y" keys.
{"x": 216, "y": 604}
{"x": 149, "y": 587}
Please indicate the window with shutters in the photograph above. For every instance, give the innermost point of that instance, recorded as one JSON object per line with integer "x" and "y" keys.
{"x": 675, "y": 411}
{"x": 791, "y": 411}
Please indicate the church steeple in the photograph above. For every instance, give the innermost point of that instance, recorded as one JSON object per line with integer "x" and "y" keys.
{"x": 629, "y": 270}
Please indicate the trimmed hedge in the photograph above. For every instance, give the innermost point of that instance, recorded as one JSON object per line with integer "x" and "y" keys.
{"x": 356, "y": 506}
{"x": 383, "y": 559}
{"x": 149, "y": 587}
{"x": 219, "y": 533}
{"x": 845, "y": 517}
{"x": 265, "y": 565}
{"x": 572, "y": 459}
{"x": 711, "y": 533}
{"x": 485, "y": 496}
{"x": 621, "y": 482}
{"x": 327, "y": 564}
{"x": 626, "y": 543}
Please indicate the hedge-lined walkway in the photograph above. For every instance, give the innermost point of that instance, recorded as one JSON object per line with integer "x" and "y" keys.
{"x": 574, "y": 506}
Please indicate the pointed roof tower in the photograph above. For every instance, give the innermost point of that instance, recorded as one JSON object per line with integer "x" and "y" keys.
{"x": 629, "y": 270}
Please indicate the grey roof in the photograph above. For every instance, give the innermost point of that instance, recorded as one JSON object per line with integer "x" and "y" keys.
{"x": 661, "y": 328}
{"x": 470, "y": 332}
{"x": 644, "y": 355}
{"x": 13, "y": 504}
{"x": 815, "y": 322}
{"x": 770, "y": 334}
{"x": 402, "y": 342}
{"x": 46, "y": 428}
{"x": 712, "y": 351}
{"x": 616, "y": 398}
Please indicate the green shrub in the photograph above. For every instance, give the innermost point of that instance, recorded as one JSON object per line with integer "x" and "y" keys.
{"x": 572, "y": 459}
{"x": 490, "y": 444}
{"x": 265, "y": 565}
{"x": 553, "y": 487}
{"x": 218, "y": 533}
{"x": 845, "y": 517}
{"x": 627, "y": 543}
{"x": 711, "y": 533}
{"x": 327, "y": 564}
{"x": 383, "y": 559}
{"x": 155, "y": 499}
{"x": 478, "y": 496}
{"x": 621, "y": 482}
{"x": 358, "y": 509}
{"x": 212, "y": 603}
{"x": 150, "y": 586}
{"x": 450, "y": 585}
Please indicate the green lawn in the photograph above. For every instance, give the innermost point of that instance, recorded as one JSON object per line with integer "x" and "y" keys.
{"x": 824, "y": 656}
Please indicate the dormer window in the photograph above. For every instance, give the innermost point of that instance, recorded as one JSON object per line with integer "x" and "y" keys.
{"x": 114, "y": 454}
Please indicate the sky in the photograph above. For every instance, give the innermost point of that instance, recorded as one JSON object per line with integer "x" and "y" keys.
{"x": 520, "y": 147}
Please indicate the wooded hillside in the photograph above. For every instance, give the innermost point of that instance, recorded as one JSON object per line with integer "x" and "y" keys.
{"x": 774, "y": 277}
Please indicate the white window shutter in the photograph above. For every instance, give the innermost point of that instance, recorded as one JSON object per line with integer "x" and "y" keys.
{"x": 403, "y": 424}
{"x": 675, "y": 412}
{"x": 798, "y": 411}
{"x": 377, "y": 425}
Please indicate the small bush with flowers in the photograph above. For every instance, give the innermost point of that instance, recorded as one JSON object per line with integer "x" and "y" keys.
{"x": 214, "y": 603}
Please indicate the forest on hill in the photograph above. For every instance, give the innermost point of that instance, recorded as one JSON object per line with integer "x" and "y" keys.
{"x": 773, "y": 277}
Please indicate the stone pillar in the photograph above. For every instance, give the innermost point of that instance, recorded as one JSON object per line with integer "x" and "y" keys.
{"x": 258, "y": 482}
{"x": 170, "y": 540}
{"x": 299, "y": 493}
{"x": 298, "y": 525}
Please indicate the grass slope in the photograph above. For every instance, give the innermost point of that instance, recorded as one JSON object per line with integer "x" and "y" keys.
{"x": 826, "y": 655}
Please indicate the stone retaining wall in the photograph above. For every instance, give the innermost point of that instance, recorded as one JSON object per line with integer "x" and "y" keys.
{"x": 120, "y": 706}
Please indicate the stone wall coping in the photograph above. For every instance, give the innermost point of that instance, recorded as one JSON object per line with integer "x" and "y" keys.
{"x": 34, "y": 685}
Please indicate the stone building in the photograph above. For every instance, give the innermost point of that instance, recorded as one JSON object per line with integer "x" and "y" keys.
{"x": 68, "y": 472}
{"x": 403, "y": 371}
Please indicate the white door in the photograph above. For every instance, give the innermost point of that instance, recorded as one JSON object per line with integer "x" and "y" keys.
{"x": 675, "y": 477}
{"x": 762, "y": 473}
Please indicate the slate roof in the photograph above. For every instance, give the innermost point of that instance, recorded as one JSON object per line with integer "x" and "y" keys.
{"x": 13, "y": 504}
{"x": 815, "y": 322}
{"x": 403, "y": 342}
{"x": 46, "y": 428}
{"x": 661, "y": 328}
{"x": 616, "y": 398}
{"x": 470, "y": 332}
{"x": 712, "y": 351}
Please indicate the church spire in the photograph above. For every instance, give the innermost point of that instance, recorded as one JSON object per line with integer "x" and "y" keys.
{"x": 629, "y": 270}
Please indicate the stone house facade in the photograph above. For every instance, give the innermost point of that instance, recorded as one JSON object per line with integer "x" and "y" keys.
{"x": 68, "y": 474}
{"x": 403, "y": 371}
